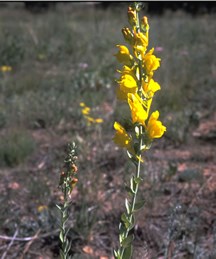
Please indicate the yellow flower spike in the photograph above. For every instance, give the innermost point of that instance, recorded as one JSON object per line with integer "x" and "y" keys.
{"x": 138, "y": 113}
{"x": 123, "y": 56}
{"x": 132, "y": 16}
{"x": 155, "y": 128}
{"x": 150, "y": 62}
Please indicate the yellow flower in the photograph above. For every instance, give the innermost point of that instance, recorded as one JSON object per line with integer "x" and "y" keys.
{"x": 82, "y": 104}
{"x": 138, "y": 113}
{"x": 150, "y": 88}
{"x": 121, "y": 138}
{"x": 140, "y": 43}
{"x": 122, "y": 96}
{"x": 86, "y": 110}
{"x": 98, "y": 120}
{"x": 155, "y": 128}
{"x": 5, "y": 68}
{"x": 123, "y": 56}
{"x": 127, "y": 83}
{"x": 41, "y": 208}
{"x": 150, "y": 62}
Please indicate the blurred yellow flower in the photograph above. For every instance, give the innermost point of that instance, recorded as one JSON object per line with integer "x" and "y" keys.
{"x": 155, "y": 128}
{"x": 98, "y": 120}
{"x": 121, "y": 138}
{"x": 5, "y": 68}
{"x": 85, "y": 111}
{"x": 138, "y": 113}
{"x": 42, "y": 208}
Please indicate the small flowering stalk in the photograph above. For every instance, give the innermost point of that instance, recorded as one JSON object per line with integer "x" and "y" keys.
{"x": 137, "y": 87}
{"x": 67, "y": 182}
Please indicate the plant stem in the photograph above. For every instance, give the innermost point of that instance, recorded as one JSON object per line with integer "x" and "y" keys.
{"x": 134, "y": 198}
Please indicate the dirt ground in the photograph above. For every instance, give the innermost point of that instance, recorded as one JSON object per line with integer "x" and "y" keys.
{"x": 178, "y": 219}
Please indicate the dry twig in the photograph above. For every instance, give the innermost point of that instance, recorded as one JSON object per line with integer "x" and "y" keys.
{"x": 27, "y": 246}
{"x": 26, "y": 239}
{"x": 10, "y": 244}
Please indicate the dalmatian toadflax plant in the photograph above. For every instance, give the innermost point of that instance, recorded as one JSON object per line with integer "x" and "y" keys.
{"x": 137, "y": 88}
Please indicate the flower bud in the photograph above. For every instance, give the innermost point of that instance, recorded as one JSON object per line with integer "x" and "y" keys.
{"x": 123, "y": 55}
{"x": 132, "y": 17}
{"x": 74, "y": 168}
{"x": 128, "y": 35}
{"x": 74, "y": 182}
{"x": 144, "y": 24}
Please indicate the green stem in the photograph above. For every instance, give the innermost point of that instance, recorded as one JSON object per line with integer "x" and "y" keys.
{"x": 134, "y": 198}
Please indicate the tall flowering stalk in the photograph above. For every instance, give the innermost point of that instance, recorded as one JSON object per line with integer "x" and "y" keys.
{"x": 137, "y": 87}
{"x": 67, "y": 182}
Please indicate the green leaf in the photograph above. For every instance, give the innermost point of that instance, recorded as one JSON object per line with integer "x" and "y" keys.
{"x": 136, "y": 148}
{"x": 137, "y": 131}
{"x": 128, "y": 206}
{"x": 132, "y": 222}
{"x": 127, "y": 241}
{"x": 122, "y": 231}
{"x": 137, "y": 180}
{"x": 59, "y": 207}
{"x": 132, "y": 158}
{"x": 125, "y": 220}
{"x": 62, "y": 255}
{"x": 139, "y": 205}
{"x": 127, "y": 252}
{"x": 117, "y": 254}
{"x": 132, "y": 184}
{"x": 129, "y": 190}
{"x": 61, "y": 236}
